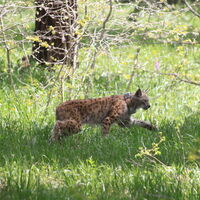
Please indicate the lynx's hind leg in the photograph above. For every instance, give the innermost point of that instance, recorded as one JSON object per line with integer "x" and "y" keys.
{"x": 65, "y": 128}
{"x": 56, "y": 132}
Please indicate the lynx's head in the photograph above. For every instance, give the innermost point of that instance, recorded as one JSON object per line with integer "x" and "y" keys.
{"x": 138, "y": 100}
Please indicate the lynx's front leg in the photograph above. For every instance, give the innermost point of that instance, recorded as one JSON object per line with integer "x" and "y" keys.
{"x": 143, "y": 124}
{"x": 131, "y": 122}
{"x": 112, "y": 117}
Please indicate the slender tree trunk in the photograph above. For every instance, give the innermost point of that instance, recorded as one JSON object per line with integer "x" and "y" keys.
{"x": 55, "y": 31}
{"x": 7, "y": 49}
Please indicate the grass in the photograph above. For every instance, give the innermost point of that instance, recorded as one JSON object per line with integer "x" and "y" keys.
{"x": 87, "y": 166}
{"x": 130, "y": 163}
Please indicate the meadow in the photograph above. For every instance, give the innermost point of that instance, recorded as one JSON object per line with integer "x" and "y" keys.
{"x": 131, "y": 163}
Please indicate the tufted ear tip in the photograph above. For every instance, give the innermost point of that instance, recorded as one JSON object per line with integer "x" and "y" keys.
{"x": 147, "y": 90}
{"x": 138, "y": 93}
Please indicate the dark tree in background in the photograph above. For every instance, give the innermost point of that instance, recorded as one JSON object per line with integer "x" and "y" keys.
{"x": 55, "y": 31}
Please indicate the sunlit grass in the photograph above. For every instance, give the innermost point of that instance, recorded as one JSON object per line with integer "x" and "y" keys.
{"x": 87, "y": 165}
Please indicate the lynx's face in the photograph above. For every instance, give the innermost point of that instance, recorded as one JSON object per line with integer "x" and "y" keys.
{"x": 144, "y": 102}
{"x": 141, "y": 100}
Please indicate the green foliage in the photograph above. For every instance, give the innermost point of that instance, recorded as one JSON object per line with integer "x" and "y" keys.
{"x": 87, "y": 166}
{"x": 130, "y": 163}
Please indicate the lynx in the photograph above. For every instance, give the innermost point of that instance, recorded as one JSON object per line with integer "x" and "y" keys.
{"x": 71, "y": 115}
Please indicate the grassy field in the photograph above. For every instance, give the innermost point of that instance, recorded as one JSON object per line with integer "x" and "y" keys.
{"x": 128, "y": 164}
{"x": 87, "y": 166}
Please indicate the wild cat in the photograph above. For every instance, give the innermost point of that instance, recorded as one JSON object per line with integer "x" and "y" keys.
{"x": 71, "y": 115}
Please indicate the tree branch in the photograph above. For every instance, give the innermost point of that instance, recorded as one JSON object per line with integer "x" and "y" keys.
{"x": 191, "y": 9}
{"x": 102, "y": 33}
{"x": 180, "y": 78}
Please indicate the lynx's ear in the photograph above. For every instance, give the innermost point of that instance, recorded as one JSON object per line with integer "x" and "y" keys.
{"x": 138, "y": 93}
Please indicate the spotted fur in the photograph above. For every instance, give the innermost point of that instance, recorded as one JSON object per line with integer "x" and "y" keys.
{"x": 71, "y": 115}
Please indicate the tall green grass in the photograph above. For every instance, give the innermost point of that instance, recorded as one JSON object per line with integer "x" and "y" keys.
{"x": 88, "y": 166}
{"x": 128, "y": 164}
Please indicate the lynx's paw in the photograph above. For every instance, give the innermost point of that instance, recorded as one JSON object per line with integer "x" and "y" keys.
{"x": 151, "y": 127}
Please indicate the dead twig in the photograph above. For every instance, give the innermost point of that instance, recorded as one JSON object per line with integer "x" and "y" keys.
{"x": 102, "y": 34}
{"x": 191, "y": 9}
{"x": 186, "y": 80}
{"x": 181, "y": 79}
{"x": 7, "y": 48}
{"x": 135, "y": 66}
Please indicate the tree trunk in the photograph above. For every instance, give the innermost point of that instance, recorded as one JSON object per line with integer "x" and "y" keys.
{"x": 55, "y": 31}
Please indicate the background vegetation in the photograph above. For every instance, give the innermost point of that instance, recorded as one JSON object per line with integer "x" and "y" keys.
{"x": 153, "y": 46}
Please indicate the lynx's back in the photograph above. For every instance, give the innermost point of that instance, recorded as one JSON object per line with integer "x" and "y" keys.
{"x": 87, "y": 111}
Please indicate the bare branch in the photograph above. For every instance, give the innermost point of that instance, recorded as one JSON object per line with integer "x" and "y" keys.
{"x": 7, "y": 48}
{"x": 135, "y": 66}
{"x": 186, "y": 80}
{"x": 191, "y": 9}
{"x": 102, "y": 34}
